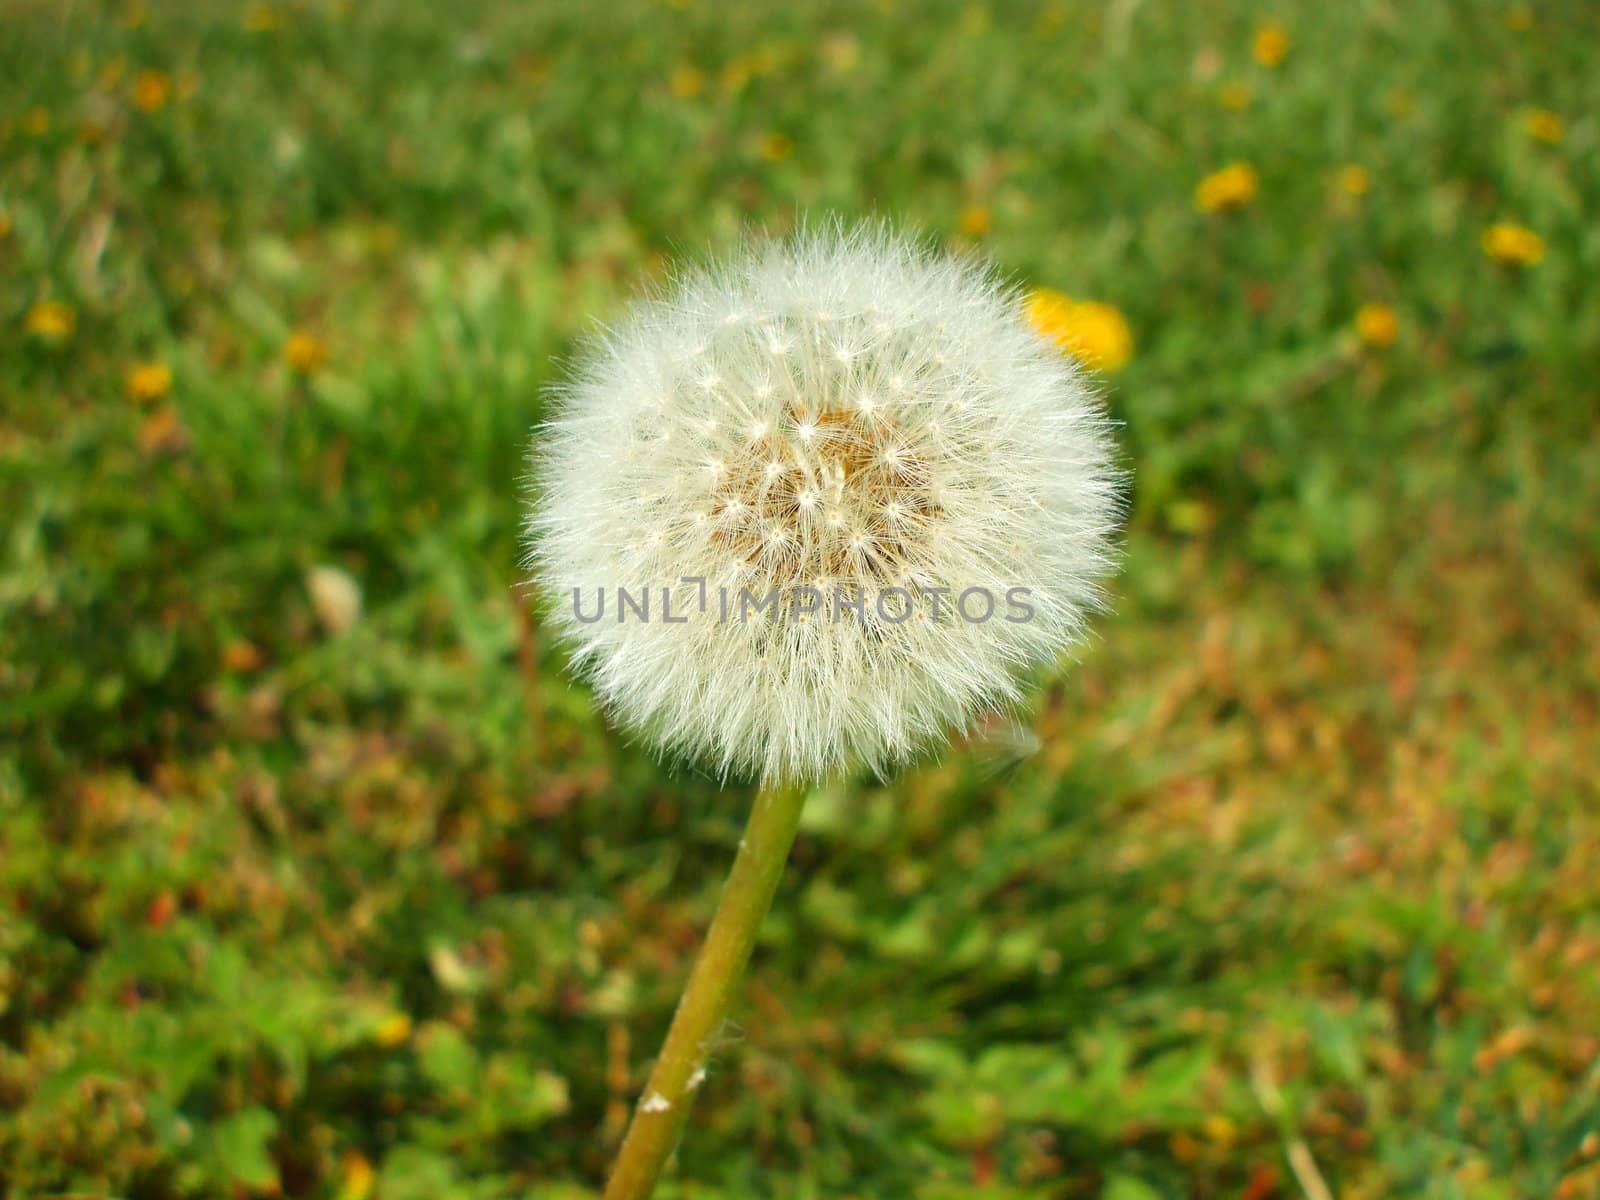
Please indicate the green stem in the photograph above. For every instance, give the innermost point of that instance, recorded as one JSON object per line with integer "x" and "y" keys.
{"x": 659, "y": 1117}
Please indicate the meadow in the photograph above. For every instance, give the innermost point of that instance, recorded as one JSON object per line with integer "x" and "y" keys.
{"x": 319, "y": 877}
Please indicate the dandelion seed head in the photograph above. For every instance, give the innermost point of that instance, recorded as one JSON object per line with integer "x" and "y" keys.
{"x": 890, "y": 419}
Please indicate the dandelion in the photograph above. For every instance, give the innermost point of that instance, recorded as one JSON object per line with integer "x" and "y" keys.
{"x": 1377, "y": 326}
{"x": 686, "y": 82}
{"x": 305, "y": 352}
{"x": 1227, "y": 190}
{"x": 147, "y": 382}
{"x": 1234, "y": 97}
{"x": 842, "y": 52}
{"x": 844, "y": 413}
{"x": 151, "y": 90}
{"x": 1270, "y": 45}
{"x": 775, "y": 147}
{"x": 976, "y": 220}
{"x": 1353, "y": 180}
{"x": 357, "y": 1177}
{"x": 36, "y": 121}
{"x": 393, "y": 1030}
{"x": 335, "y": 598}
{"x": 1096, "y": 333}
{"x": 263, "y": 18}
{"x": 1519, "y": 19}
{"x": 1513, "y": 245}
{"x": 1543, "y": 126}
{"x": 5, "y": 224}
{"x": 51, "y": 321}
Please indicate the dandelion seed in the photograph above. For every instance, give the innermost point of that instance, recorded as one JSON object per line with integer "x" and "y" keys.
{"x": 991, "y": 471}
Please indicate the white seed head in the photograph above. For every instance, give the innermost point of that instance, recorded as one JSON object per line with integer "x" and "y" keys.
{"x": 914, "y": 432}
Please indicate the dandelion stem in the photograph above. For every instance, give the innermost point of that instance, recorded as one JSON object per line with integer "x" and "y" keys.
{"x": 659, "y": 1117}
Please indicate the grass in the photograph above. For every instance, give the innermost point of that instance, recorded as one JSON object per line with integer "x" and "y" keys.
{"x": 1289, "y": 880}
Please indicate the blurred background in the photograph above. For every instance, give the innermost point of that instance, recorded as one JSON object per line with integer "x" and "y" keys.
{"x": 319, "y": 879}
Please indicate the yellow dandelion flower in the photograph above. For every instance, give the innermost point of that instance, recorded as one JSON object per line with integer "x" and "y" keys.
{"x": 1543, "y": 125}
{"x": 1271, "y": 44}
{"x": 111, "y": 72}
{"x": 1353, "y": 179}
{"x": 5, "y": 225}
{"x": 305, "y": 352}
{"x": 51, "y": 321}
{"x": 686, "y": 82}
{"x": 151, "y": 90}
{"x": 842, "y": 52}
{"x": 263, "y": 18}
{"x": 1091, "y": 331}
{"x": 775, "y": 147}
{"x": 393, "y": 1030}
{"x": 36, "y": 121}
{"x": 356, "y": 1177}
{"x": 735, "y": 75}
{"x": 147, "y": 382}
{"x": 976, "y": 220}
{"x": 1234, "y": 97}
{"x": 1377, "y": 325}
{"x": 1514, "y": 245}
{"x": 1227, "y": 190}
{"x": 1520, "y": 19}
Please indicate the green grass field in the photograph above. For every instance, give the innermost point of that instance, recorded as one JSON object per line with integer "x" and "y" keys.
{"x": 1287, "y": 888}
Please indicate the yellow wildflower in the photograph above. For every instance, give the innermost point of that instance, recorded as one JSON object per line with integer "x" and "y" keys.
{"x": 1543, "y": 125}
{"x": 842, "y": 52}
{"x": 1091, "y": 331}
{"x": 5, "y": 224}
{"x": 147, "y": 382}
{"x": 263, "y": 18}
{"x": 1377, "y": 325}
{"x": 976, "y": 220}
{"x": 305, "y": 352}
{"x": 1227, "y": 190}
{"x": 1234, "y": 96}
{"x": 1514, "y": 245}
{"x": 1271, "y": 44}
{"x": 51, "y": 321}
{"x": 686, "y": 82}
{"x": 393, "y": 1030}
{"x": 151, "y": 89}
{"x": 775, "y": 147}
{"x": 1354, "y": 179}
{"x": 36, "y": 121}
{"x": 111, "y": 73}
{"x": 357, "y": 1177}
{"x": 1520, "y": 19}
